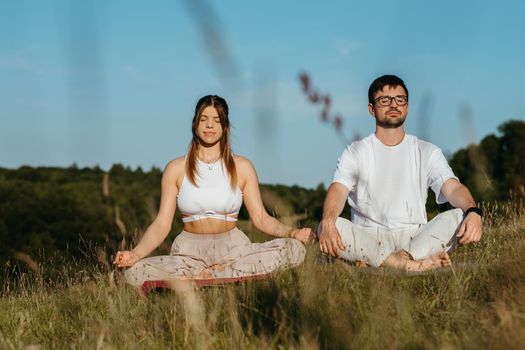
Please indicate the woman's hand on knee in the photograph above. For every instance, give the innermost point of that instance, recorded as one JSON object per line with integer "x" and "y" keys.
{"x": 330, "y": 240}
{"x": 126, "y": 258}
{"x": 305, "y": 235}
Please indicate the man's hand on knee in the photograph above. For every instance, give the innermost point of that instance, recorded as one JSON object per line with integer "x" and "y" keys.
{"x": 329, "y": 238}
{"x": 470, "y": 229}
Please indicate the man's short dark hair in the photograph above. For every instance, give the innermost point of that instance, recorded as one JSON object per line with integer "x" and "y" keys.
{"x": 381, "y": 82}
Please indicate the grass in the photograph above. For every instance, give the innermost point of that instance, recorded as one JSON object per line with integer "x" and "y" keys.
{"x": 478, "y": 303}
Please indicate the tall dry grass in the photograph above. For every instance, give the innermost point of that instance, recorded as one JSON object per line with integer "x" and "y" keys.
{"x": 478, "y": 303}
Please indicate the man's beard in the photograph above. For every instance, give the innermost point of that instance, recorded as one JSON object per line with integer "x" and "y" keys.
{"x": 391, "y": 123}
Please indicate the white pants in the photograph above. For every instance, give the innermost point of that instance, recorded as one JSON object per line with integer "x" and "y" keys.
{"x": 374, "y": 245}
{"x": 192, "y": 253}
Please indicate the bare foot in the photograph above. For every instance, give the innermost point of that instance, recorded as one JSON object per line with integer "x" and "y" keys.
{"x": 361, "y": 264}
{"x": 432, "y": 262}
{"x": 403, "y": 261}
{"x": 208, "y": 273}
{"x": 443, "y": 259}
{"x": 205, "y": 274}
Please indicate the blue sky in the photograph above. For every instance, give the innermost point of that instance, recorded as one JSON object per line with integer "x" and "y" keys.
{"x": 105, "y": 82}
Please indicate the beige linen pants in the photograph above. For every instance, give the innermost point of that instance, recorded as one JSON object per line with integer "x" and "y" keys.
{"x": 226, "y": 255}
{"x": 374, "y": 245}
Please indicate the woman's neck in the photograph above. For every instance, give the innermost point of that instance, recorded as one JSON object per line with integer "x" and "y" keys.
{"x": 209, "y": 154}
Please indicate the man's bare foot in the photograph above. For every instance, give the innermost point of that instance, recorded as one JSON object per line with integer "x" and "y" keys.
{"x": 442, "y": 258}
{"x": 403, "y": 261}
{"x": 435, "y": 261}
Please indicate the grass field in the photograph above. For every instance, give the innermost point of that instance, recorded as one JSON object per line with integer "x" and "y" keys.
{"x": 478, "y": 303}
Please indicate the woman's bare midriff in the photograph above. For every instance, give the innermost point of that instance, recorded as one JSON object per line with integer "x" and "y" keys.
{"x": 209, "y": 226}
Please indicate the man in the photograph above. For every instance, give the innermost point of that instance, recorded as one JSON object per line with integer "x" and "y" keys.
{"x": 385, "y": 177}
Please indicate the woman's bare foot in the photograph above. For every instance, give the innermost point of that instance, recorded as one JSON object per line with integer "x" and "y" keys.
{"x": 208, "y": 273}
{"x": 403, "y": 261}
{"x": 361, "y": 264}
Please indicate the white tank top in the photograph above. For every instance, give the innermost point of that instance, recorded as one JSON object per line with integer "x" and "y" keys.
{"x": 213, "y": 198}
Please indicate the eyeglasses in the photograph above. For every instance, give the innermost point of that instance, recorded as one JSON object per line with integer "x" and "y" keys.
{"x": 386, "y": 101}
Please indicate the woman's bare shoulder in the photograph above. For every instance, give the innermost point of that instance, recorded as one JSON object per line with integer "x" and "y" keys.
{"x": 242, "y": 162}
{"x": 176, "y": 166}
{"x": 245, "y": 168}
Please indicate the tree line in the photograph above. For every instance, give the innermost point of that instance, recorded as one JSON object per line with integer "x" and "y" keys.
{"x": 77, "y": 211}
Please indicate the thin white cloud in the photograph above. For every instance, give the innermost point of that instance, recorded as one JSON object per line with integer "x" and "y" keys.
{"x": 426, "y": 58}
{"x": 344, "y": 46}
{"x": 132, "y": 72}
{"x": 19, "y": 62}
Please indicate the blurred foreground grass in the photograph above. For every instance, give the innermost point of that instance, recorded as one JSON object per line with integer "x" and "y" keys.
{"x": 478, "y": 303}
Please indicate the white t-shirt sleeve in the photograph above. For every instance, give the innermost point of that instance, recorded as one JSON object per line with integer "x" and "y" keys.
{"x": 347, "y": 169}
{"x": 439, "y": 172}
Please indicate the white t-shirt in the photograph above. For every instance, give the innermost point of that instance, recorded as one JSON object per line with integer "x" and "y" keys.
{"x": 388, "y": 184}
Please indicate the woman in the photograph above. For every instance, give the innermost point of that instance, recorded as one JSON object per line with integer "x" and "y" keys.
{"x": 208, "y": 185}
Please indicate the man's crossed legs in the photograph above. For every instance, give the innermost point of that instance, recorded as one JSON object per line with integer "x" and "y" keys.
{"x": 418, "y": 249}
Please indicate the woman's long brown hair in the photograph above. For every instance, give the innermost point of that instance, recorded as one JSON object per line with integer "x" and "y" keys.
{"x": 226, "y": 154}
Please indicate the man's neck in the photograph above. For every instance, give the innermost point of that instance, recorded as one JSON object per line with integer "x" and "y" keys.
{"x": 390, "y": 137}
